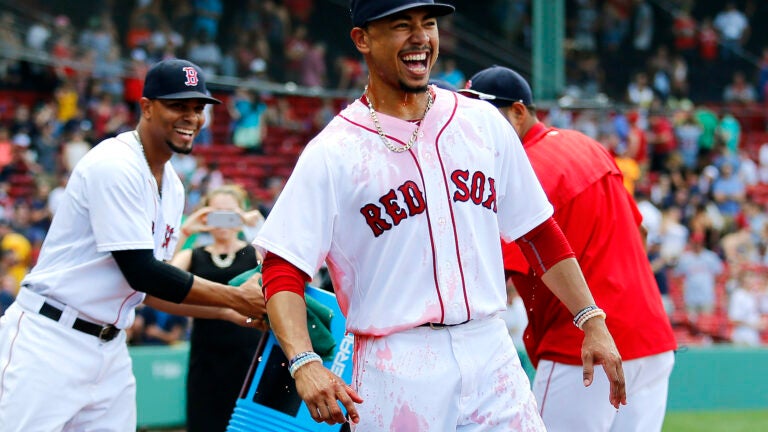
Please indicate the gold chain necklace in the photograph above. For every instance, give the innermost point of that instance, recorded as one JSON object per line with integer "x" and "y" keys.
{"x": 383, "y": 136}
{"x": 141, "y": 146}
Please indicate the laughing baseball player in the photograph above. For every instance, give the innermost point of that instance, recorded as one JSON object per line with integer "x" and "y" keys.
{"x": 64, "y": 363}
{"x": 411, "y": 187}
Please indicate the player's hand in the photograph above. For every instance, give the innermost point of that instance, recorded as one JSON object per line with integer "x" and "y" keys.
{"x": 599, "y": 348}
{"x": 322, "y": 390}
{"x": 258, "y": 322}
{"x": 251, "y": 302}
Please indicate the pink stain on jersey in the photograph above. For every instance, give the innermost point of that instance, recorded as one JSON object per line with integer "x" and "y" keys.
{"x": 478, "y": 418}
{"x": 338, "y": 275}
{"x": 504, "y": 384}
{"x": 407, "y": 420}
{"x": 384, "y": 358}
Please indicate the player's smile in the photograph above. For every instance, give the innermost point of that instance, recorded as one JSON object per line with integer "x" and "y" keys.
{"x": 417, "y": 63}
{"x": 185, "y": 120}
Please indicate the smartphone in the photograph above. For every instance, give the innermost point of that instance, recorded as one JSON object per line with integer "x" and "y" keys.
{"x": 224, "y": 219}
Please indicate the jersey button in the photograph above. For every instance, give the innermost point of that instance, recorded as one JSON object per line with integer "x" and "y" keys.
{"x": 441, "y": 221}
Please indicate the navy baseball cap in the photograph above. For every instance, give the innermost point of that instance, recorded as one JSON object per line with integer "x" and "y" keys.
{"x": 176, "y": 79}
{"x": 500, "y": 86}
{"x": 365, "y": 11}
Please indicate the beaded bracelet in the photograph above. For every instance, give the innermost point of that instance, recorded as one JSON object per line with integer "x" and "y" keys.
{"x": 299, "y": 356}
{"x": 581, "y": 313}
{"x": 589, "y": 315}
{"x": 302, "y": 359}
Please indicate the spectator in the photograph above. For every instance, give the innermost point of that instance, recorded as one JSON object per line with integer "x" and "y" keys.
{"x": 18, "y": 263}
{"x": 220, "y": 351}
{"x": 296, "y": 48}
{"x": 249, "y": 118}
{"x": 744, "y": 308}
{"x": 637, "y": 140}
{"x": 733, "y": 28}
{"x": 205, "y": 136}
{"x": 639, "y": 93}
{"x": 451, "y": 73}
{"x": 10, "y": 69}
{"x": 661, "y": 266}
{"x": 204, "y": 51}
{"x": 207, "y": 16}
{"x": 109, "y": 72}
{"x": 684, "y": 28}
{"x": 708, "y": 73}
{"x": 662, "y": 141}
{"x": 73, "y": 149}
{"x": 7, "y": 287}
{"x": 313, "y": 69}
{"x": 6, "y": 147}
{"x": 56, "y": 195}
{"x": 728, "y": 192}
{"x": 708, "y": 121}
{"x": 739, "y": 247}
{"x": 47, "y": 149}
{"x": 162, "y": 328}
{"x": 739, "y": 90}
{"x": 352, "y": 73}
{"x": 687, "y": 132}
{"x": 699, "y": 267}
{"x": 673, "y": 235}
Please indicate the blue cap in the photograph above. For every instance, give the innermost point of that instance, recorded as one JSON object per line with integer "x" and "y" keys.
{"x": 500, "y": 86}
{"x": 176, "y": 79}
{"x": 365, "y": 11}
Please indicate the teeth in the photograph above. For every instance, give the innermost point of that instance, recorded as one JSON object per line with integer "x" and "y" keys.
{"x": 415, "y": 57}
{"x": 185, "y": 131}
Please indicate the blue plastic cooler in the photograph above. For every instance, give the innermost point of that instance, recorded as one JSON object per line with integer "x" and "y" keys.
{"x": 268, "y": 401}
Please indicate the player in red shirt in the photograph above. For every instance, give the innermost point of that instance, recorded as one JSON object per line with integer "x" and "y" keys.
{"x": 602, "y": 224}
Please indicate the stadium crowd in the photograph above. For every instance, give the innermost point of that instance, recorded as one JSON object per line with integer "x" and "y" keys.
{"x": 685, "y": 78}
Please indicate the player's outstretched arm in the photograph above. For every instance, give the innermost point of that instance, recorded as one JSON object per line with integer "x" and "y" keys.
{"x": 566, "y": 281}
{"x": 146, "y": 274}
{"x": 207, "y": 312}
{"x": 318, "y": 387}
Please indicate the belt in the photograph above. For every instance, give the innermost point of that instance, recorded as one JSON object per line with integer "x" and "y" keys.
{"x": 104, "y": 333}
{"x": 439, "y": 326}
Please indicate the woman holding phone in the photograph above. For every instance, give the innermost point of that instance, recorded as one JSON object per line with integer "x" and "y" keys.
{"x": 220, "y": 352}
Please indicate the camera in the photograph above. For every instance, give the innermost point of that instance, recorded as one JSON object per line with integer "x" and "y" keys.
{"x": 224, "y": 219}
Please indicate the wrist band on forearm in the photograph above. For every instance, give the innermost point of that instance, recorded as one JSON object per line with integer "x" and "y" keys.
{"x": 581, "y": 313}
{"x": 586, "y": 314}
{"x": 302, "y": 359}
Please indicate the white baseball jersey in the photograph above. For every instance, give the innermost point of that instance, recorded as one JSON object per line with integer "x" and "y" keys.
{"x": 113, "y": 190}
{"x": 410, "y": 237}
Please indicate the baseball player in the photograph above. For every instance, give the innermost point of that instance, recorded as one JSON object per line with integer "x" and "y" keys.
{"x": 411, "y": 187}
{"x": 603, "y": 225}
{"x": 64, "y": 363}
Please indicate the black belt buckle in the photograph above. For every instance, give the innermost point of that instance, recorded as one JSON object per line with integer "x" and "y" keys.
{"x": 108, "y": 332}
{"x": 104, "y": 333}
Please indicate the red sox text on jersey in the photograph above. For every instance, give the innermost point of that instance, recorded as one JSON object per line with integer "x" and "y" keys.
{"x": 479, "y": 189}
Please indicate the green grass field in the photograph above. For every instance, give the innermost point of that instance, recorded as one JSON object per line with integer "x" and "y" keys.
{"x": 716, "y": 421}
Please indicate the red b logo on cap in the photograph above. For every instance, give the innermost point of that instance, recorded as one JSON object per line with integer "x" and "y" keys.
{"x": 191, "y": 76}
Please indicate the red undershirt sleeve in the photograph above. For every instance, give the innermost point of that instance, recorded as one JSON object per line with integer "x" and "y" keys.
{"x": 278, "y": 275}
{"x": 545, "y": 246}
